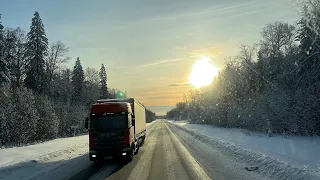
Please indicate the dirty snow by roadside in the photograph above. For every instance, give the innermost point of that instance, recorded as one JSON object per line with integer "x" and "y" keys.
{"x": 281, "y": 157}
{"x": 40, "y": 151}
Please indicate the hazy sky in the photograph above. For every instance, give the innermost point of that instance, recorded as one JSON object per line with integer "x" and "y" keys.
{"x": 148, "y": 47}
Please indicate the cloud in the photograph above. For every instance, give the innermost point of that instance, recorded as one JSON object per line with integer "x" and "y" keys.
{"x": 127, "y": 68}
{"x": 180, "y": 84}
{"x": 159, "y": 63}
{"x": 208, "y": 11}
{"x": 206, "y": 51}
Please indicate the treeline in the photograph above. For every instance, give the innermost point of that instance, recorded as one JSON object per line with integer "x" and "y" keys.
{"x": 271, "y": 86}
{"x": 40, "y": 99}
{"x": 150, "y": 116}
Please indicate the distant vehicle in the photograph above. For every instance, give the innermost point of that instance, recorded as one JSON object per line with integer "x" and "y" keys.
{"x": 117, "y": 128}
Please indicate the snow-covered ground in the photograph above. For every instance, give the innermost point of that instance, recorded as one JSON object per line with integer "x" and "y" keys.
{"x": 35, "y": 161}
{"x": 275, "y": 156}
{"x": 42, "y": 151}
{"x": 291, "y": 154}
{"x": 148, "y": 124}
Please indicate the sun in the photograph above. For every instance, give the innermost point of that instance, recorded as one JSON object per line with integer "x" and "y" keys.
{"x": 203, "y": 72}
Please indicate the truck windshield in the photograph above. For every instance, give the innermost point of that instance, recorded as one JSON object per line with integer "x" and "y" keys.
{"x": 103, "y": 123}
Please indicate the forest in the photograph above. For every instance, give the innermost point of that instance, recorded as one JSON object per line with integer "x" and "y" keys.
{"x": 271, "y": 86}
{"x": 42, "y": 99}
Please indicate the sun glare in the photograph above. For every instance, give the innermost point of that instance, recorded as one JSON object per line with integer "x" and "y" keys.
{"x": 203, "y": 72}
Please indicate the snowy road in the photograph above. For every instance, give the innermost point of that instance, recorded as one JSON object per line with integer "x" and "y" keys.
{"x": 170, "y": 153}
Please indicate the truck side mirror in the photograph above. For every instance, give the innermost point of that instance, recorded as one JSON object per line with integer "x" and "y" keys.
{"x": 86, "y": 122}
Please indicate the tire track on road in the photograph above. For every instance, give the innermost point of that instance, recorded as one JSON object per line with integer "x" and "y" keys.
{"x": 142, "y": 168}
{"x": 196, "y": 171}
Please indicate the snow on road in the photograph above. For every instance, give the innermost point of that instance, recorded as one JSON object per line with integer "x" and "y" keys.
{"x": 286, "y": 154}
{"x": 277, "y": 156}
{"x": 51, "y": 159}
{"x": 149, "y": 124}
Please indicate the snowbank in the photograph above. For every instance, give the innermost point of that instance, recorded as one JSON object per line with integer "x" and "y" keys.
{"x": 281, "y": 157}
{"x": 48, "y": 160}
{"x": 35, "y": 161}
{"x": 149, "y": 124}
{"x": 42, "y": 151}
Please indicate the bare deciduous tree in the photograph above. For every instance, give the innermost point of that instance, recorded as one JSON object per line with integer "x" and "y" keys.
{"x": 56, "y": 57}
{"x": 277, "y": 38}
{"x": 92, "y": 76}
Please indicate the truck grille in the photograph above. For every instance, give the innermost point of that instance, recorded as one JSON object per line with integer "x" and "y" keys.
{"x": 108, "y": 142}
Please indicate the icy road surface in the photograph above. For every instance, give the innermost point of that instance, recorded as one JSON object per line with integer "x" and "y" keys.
{"x": 169, "y": 152}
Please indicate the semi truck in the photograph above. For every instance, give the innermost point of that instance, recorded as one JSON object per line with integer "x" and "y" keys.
{"x": 117, "y": 128}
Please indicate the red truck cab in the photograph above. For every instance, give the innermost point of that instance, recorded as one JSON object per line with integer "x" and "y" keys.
{"x": 111, "y": 132}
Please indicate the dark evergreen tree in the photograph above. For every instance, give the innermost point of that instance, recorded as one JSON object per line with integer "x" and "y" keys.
{"x": 103, "y": 82}
{"x": 308, "y": 70}
{"x": 39, "y": 113}
{"x": 77, "y": 81}
{"x": 4, "y": 71}
{"x": 308, "y": 64}
{"x": 36, "y": 51}
{"x": 14, "y": 40}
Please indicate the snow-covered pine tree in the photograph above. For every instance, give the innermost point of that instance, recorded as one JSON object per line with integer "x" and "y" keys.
{"x": 308, "y": 70}
{"x": 14, "y": 43}
{"x": 77, "y": 81}
{"x": 4, "y": 111}
{"x": 22, "y": 117}
{"x": 103, "y": 82}
{"x": 308, "y": 35}
{"x": 4, "y": 71}
{"x": 48, "y": 125}
{"x": 36, "y": 50}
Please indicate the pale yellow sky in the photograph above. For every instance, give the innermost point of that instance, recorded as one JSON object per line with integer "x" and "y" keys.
{"x": 148, "y": 47}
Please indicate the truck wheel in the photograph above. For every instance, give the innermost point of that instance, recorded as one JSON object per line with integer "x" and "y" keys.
{"x": 98, "y": 162}
{"x": 143, "y": 139}
{"x": 129, "y": 157}
{"x": 137, "y": 151}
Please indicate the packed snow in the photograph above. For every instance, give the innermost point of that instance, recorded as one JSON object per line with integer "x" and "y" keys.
{"x": 35, "y": 160}
{"x": 149, "y": 124}
{"x": 40, "y": 151}
{"x": 276, "y": 156}
{"x": 293, "y": 156}
{"x": 48, "y": 160}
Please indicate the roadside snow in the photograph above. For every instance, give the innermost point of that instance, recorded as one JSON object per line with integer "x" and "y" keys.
{"x": 42, "y": 151}
{"x": 149, "y": 124}
{"x": 35, "y": 161}
{"x": 277, "y": 156}
{"x": 48, "y": 160}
